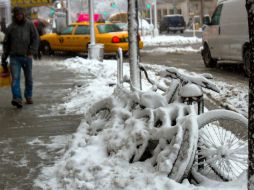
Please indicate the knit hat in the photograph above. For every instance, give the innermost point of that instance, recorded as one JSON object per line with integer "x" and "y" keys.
{"x": 18, "y": 10}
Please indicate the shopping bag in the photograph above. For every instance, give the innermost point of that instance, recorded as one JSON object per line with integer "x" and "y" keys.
{"x": 5, "y": 78}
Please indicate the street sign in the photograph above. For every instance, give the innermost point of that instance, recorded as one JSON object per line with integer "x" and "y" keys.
{"x": 30, "y": 3}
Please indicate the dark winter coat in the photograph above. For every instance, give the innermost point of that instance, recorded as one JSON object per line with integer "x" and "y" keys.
{"x": 21, "y": 39}
{"x": 3, "y": 26}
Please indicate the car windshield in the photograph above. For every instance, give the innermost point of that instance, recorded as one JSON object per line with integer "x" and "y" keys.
{"x": 107, "y": 28}
{"x": 175, "y": 19}
{"x": 123, "y": 26}
{"x": 67, "y": 30}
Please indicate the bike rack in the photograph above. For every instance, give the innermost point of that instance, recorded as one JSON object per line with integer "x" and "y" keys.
{"x": 119, "y": 67}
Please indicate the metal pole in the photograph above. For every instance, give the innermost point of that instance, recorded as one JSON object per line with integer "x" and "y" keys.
{"x": 120, "y": 67}
{"x": 93, "y": 53}
{"x": 91, "y": 17}
{"x": 81, "y": 6}
{"x": 174, "y": 6}
{"x": 201, "y": 12}
{"x": 68, "y": 12}
{"x": 155, "y": 31}
{"x": 194, "y": 29}
{"x": 151, "y": 16}
{"x": 133, "y": 43}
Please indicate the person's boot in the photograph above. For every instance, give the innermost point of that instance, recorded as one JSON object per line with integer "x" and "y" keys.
{"x": 29, "y": 101}
{"x": 17, "y": 103}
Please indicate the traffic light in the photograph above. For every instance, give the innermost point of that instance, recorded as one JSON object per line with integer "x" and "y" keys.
{"x": 113, "y": 5}
{"x": 148, "y": 5}
{"x": 52, "y": 11}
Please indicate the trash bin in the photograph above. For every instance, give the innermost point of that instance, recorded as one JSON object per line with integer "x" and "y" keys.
{"x": 96, "y": 51}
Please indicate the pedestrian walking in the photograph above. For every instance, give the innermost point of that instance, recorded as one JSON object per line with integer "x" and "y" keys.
{"x": 20, "y": 44}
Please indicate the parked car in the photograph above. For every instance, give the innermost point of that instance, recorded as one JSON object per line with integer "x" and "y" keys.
{"x": 172, "y": 23}
{"x": 206, "y": 20}
{"x": 226, "y": 38}
{"x": 144, "y": 27}
{"x": 76, "y": 37}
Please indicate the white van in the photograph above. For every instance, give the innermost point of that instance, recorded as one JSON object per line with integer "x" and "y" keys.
{"x": 226, "y": 38}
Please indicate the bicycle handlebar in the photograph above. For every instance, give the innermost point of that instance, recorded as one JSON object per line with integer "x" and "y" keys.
{"x": 200, "y": 80}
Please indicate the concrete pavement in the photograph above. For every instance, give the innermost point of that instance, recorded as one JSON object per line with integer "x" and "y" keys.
{"x": 19, "y": 161}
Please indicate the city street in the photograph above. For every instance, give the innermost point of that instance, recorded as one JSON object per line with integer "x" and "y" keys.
{"x": 120, "y": 97}
{"x": 27, "y": 135}
{"x": 193, "y": 62}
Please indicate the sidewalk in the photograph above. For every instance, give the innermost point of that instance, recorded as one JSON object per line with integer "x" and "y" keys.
{"x": 23, "y": 130}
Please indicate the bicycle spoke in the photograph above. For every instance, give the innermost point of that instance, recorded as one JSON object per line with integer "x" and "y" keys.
{"x": 205, "y": 139}
{"x": 218, "y": 135}
{"x": 210, "y": 138}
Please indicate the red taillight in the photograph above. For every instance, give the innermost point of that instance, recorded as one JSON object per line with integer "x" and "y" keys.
{"x": 115, "y": 39}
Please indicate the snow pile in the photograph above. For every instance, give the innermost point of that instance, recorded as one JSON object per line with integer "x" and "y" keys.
{"x": 99, "y": 80}
{"x": 165, "y": 50}
{"x": 109, "y": 150}
{"x": 144, "y": 27}
{"x": 234, "y": 97}
{"x": 115, "y": 134}
{"x": 164, "y": 40}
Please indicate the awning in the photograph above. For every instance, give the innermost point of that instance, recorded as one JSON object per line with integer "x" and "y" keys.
{"x": 31, "y": 3}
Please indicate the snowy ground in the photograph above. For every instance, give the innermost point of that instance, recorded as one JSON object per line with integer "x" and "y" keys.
{"x": 166, "y": 50}
{"x": 85, "y": 163}
{"x": 165, "y": 40}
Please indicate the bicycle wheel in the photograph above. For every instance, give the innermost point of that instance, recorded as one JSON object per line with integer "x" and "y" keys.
{"x": 166, "y": 154}
{"x": 143, "y": 144}
{"x": 223, "y": 147}
{"x": 185, "y": 158}
{"x": 99, "y": 114}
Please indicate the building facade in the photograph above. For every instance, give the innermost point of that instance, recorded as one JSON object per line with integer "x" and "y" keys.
{"x": 188, "y": 8}
{"x": 5, "y": 11}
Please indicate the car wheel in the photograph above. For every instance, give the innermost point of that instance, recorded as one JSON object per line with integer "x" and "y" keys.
{"x": 45, "y": 48}
{"x": 246, "y": 63}
{"x": 207, "y": 57}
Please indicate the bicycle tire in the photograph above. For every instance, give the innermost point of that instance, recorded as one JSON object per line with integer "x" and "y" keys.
{"x": 165, "y": 157}
{"x": 223, "y": 150}
{"x": 185, "y": 158}
{"x": 147, "y": 118}
{"x": 99, "y": 114}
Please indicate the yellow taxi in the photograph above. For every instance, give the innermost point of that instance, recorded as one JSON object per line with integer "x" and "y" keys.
{"x": 76, "y": 37}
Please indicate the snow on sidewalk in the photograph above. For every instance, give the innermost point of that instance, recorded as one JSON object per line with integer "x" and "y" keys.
{"x": 85, "y": 163}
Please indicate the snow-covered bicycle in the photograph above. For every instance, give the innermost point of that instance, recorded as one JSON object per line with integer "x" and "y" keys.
{"x": 169, "y": 130}
{"x": 222, "y": 145}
